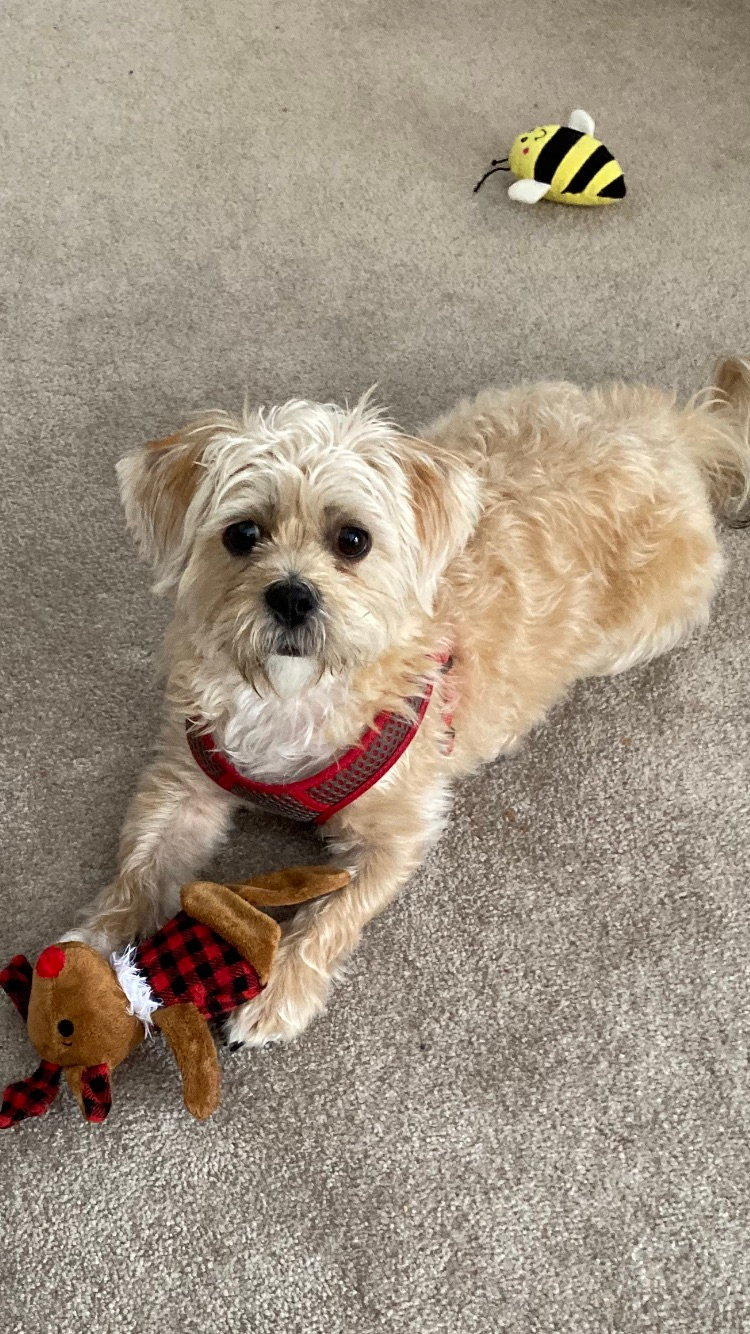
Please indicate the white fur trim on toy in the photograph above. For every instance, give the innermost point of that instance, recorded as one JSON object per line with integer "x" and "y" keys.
{"x": 135, "y": 986}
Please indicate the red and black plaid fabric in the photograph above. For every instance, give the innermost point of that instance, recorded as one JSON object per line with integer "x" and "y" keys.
{"x": 314, "y": 799}
{"x": 15, "y": 980}
{"x": 187, "y": 961}
{"x": 96, "y": 1093}
{"x": 30, "y": 1097}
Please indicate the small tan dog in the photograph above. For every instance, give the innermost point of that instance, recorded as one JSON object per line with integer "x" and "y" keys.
{"x": 323, "y": 566}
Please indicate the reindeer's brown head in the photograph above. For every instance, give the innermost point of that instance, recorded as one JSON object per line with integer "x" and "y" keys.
{"x": 78, "y": 1021}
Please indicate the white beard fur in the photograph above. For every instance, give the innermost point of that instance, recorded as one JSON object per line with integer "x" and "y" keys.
{"x": 277, "y": 738}
{"x": 289, "y": 676}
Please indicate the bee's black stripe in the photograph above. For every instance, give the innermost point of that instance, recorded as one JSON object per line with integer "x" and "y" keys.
{"x": 615, "y": 189}
{"x": 554, "y": 151}
{"x": 588, "y": 169}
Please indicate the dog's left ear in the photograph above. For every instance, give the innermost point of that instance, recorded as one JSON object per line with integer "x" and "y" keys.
{"x": 445, "y": 498}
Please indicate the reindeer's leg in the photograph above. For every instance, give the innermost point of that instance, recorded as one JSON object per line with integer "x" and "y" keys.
{"x": 193, "y": 1048}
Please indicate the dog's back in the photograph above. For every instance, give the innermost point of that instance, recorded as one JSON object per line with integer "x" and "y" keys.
{"x": 597, "y": 546}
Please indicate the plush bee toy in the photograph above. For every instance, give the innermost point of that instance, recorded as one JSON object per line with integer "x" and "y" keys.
{"x": 564, "y": 163}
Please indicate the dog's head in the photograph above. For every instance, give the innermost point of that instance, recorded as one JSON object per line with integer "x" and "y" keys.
{"x": 306, "y": 532}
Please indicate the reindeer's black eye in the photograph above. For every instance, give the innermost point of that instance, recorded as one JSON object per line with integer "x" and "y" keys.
{"x": 353, "y": 543}
{"x": 65, "y": 1028}
{"x": 240, "y": 538}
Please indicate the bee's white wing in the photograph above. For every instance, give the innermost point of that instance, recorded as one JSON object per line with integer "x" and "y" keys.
{"x": 527, "y": 192}
{"x": 581, "y": 120}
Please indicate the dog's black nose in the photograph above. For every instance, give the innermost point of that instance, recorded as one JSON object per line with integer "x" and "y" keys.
{"x": 291, "y": 601}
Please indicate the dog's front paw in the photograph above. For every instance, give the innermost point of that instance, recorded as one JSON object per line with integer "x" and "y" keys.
{"x": 294, "y": 995}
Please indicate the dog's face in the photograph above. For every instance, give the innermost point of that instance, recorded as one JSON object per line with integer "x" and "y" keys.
{"x": 307, "y": 533}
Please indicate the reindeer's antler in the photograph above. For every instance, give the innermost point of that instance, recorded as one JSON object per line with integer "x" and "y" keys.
{"x": 16, "y": 981}
{"x": 30, "y": 1097}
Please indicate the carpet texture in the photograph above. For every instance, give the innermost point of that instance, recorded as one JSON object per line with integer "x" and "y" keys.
{"x": 527, "y": 1108}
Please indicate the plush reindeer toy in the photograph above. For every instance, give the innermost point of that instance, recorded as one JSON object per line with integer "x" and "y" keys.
{"x": 85, "y": 1014}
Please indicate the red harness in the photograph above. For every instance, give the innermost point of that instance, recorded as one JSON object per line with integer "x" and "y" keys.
{"x": 315, "y": 799}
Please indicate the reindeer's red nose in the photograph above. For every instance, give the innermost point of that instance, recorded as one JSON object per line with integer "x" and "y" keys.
{"x": 51, "y": 961}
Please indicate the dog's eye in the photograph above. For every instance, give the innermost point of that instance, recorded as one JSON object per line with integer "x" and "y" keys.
{"x": 353, "y": 543}
{"x": 240, "y": 538}
{"x": 65, "y": 1028}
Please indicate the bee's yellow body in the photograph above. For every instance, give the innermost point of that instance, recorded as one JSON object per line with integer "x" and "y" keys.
{"x": 564, "y": 163}
{"x": 577, "y": 168}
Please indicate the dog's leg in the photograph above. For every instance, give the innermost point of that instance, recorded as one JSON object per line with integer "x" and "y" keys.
{"x": 323, "y": 933}
{"x": 313, "y": 949}
{"x": 175, "y": 820}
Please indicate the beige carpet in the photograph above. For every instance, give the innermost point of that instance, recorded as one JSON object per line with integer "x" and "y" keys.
{"x": 527, "y": 1109}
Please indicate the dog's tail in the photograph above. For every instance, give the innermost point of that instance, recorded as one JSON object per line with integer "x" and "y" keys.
{"x": 723, "y": 454}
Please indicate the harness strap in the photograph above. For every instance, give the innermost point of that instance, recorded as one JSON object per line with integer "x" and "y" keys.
{"x": 314, "y": 799}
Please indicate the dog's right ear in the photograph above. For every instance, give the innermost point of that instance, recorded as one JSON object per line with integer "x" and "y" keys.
{"x": 157, "y": 483}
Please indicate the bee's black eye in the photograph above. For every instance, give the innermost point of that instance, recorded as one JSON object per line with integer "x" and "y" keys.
{"x": 240, "y": 538}
{"x": 353, "y": 543}
{"x": 65, "y": 1028}
{"x": 524, "y": 137}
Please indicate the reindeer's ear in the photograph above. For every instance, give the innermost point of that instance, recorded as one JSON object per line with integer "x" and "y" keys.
{"x": 91, "y": 1087}
{"x": 15, "y": 981}
{"x": 445, "y": 498}
{"x": 157, "y": 484}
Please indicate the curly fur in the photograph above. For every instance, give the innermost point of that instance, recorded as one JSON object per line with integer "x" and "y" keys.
{"x": 545, "y": 533}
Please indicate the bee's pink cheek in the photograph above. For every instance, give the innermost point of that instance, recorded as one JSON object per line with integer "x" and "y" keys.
{"x": 525, "y": 150}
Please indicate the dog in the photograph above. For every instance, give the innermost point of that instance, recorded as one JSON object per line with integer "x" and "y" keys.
{"x": 361, "y": 615}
